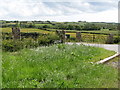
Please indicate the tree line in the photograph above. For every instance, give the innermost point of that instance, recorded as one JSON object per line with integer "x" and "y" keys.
{"x": 62, "y": 25}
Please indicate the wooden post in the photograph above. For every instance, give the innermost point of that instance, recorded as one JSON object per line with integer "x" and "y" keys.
{"x": 78, "y": 36}
{"x": 16, "y": 33}
{"x": 110, "y": 39}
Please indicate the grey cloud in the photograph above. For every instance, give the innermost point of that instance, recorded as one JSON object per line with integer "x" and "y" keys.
{"x": 80, "y": 6}
{"x": 37, "y": 8}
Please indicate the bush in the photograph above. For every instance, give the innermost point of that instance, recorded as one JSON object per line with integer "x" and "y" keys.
{"x": 43, "y": 40}
{"x": 29, "y": 43}
{"x": 15, "y": 45}
{"x": 52, "y": 38}
{"x": 116, "y": 40}
{"x": 11, "y": 45}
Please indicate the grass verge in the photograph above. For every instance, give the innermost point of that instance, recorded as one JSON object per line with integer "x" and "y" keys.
{"x": 58, "y": 66}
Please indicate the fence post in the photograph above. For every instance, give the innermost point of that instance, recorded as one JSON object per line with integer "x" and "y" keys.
{"x": 16, "y": 33}
{"x": 109, "y": 39}
{"x": 78, "y": 36}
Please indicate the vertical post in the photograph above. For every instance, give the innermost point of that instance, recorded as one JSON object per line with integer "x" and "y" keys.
{"x": 58, "y": 32}
{"x": 16, "y": 33}
{"x": 63, "y": 36}
{"x": 78, "y": 36}
{"x": 93, "y": 37}
{"x": 110, "y": 39}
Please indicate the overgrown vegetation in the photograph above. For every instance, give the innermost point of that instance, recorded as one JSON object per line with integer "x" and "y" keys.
{"x": 29, "y": 42}
{"x": 58, "y": 66}
{"x": 38, "y": 61}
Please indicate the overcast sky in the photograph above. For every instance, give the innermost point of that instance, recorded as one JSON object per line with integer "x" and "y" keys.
{"x": 60, "y": 10}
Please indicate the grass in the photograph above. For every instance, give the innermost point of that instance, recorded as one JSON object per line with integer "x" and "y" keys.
{"x": 104, "y": 31}
{"x": 0, "y": 68}
{"x": 39, "y": 30}
{"x": 89, "y": 37}
{"x": 114, "y": 62}
{"x": 72, "y": 34}
{"x": 58, "y": 66}
{"x": 115, "y": 32}
{"x": 94, "y": 38}
{"x": 43, "y": 24}
{"x": 26, "y": 30}
{"x": 116, "y": 59}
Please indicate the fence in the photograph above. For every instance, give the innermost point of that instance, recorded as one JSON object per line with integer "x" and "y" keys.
{"x": 66, "y": 36}
{"x": 16, "y": 34}
{"x": 86, "y": 37}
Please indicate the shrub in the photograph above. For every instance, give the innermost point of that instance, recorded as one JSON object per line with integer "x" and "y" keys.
{"x": 47, "y": 39}
{"x": 52, "y": 38}
{"x": 11, "y": 45}
{"x": 29, "y": 43}
{"x": 15, "y": 45}
{"x": 73, "y": 39}
{"x": 42, "y": 40}
{"x": 116, "y": 40}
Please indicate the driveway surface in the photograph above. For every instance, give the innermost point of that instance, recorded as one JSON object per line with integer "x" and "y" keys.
{"x": 112, "y": 47}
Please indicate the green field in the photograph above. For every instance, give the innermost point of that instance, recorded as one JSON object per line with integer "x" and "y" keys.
{"x": 26, "y": 30}
{"x": 86, "y": 37}
{"x": 58, "y": 66}
{"x": 43, "y": 24}
{"x": 104, "y": 31}
{"x": 115, "y": 32}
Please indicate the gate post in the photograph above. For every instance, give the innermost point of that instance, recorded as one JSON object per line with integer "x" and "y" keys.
{"x": 78, "y": 36}
{"x": 16, "y": 33}
{"x": 109, "y": 39}
{"x": 93, "y": 37}
{"x": 63, "y": 36}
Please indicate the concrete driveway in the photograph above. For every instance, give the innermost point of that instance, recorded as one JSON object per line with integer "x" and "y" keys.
{"x": 112, "y": 47}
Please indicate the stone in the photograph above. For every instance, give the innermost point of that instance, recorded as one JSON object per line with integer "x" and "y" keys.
{"x": 110, "y": 39}
{"x": 16, "y": 33}
{"x": 63, "y": 36}
{"x": 78, "y": 36}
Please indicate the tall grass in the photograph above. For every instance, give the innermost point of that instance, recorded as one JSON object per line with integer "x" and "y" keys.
{"x": 58, "y": 66}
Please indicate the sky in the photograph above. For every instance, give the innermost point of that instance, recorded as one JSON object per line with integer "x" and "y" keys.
{"x": 60, "y": 10}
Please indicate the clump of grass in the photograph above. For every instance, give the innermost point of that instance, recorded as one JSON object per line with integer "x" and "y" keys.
{"x": 57, "y": 66}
